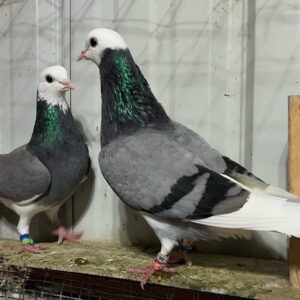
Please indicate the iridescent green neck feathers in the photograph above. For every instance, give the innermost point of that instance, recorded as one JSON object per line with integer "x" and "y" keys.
{"x": 53, "y": 125}
{"x": 127, "y": 100}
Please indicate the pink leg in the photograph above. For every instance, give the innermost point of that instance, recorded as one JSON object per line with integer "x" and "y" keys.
{"x": 149, "y": 271}
{"x": 32, "y": 248}
{"x": 64, "y": 234}
{"x": 182, "y": 254}
{"x": 180, "y": 257}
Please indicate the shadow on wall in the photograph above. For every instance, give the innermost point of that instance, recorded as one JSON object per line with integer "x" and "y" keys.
{"x": 83, "y": 196}
{"x": 9, "y": 221}
{"x": 259, "y": 244}
{"x": 134, "y": 230}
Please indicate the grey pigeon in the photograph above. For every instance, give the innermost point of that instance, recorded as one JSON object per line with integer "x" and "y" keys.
{"x": 42, "y": 174}
{"x": 184, "y": 188}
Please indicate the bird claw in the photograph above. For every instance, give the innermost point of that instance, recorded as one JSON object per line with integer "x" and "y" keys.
{"x": 149, "y": 271}
{"x": 180, "y": 257}
{"x": 32, "y": 248}
{"x": 66, "y": 235}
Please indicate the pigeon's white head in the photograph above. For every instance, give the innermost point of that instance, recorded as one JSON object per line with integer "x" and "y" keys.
{"x": 53, "y": 84}
{"x": 99, "y": 40}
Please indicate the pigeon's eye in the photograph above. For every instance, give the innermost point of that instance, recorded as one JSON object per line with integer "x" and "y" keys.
{"x": 49, "y": 78}
{"x": 93, "y": 42}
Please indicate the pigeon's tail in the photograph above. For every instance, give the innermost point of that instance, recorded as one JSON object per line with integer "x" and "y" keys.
{"x": 274, "y": 191}
{"x": 262, "y": 212}
{"x": 251, "y": 184}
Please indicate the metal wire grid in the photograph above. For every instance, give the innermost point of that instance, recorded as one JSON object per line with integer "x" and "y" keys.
{"x": 32, "y": 283}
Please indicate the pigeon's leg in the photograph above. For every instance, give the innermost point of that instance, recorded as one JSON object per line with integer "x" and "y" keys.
{"x": 159, "y": 263}
{"x": 66, "y": 235}
{"x": 62, "y": 232}
{"x": 181, "y": 256}
{"x": 27, "y": 242}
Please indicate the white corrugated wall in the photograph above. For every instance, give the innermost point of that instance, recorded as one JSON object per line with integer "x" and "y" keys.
{"x": 222, "y": 67}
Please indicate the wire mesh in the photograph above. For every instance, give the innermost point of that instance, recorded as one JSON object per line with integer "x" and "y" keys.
{"x": 33, "y": 283}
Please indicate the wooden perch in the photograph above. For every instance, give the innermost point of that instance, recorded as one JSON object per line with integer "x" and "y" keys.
{"x": 294, "y": 183}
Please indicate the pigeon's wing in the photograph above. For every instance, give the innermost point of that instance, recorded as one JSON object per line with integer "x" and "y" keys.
{"x": 23, "y": 178}
{"x": 152, "y": 173}
{"x": 191, "y": 141}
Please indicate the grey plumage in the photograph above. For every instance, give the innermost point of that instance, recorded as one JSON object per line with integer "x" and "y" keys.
{"x": 151, "y": 172}
{"x": 219, "y": 163}
{"x": 41, "y": 175}
{"x": 181, "y": 185}
{"x": 23, "y": 177}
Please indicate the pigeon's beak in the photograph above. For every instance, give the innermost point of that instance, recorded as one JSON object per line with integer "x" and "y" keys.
{"x": 67, "y": 84}
{"x": 81, "y": 56}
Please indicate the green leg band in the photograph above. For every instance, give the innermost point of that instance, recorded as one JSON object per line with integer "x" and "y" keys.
{"x": 26, "y": 239}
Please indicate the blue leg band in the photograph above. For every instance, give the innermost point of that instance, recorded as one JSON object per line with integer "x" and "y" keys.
{"x": 186, "y": 250}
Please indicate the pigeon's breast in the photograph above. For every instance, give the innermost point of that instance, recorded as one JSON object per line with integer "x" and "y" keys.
{"x": 67, "y": 165}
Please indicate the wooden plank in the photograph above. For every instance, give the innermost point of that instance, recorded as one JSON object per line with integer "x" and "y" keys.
{"x": 294, "y": 182}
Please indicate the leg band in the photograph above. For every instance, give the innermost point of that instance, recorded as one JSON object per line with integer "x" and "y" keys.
{"x": 185, "y": 249}
{"x": 26, "y": 239}
{"x": 162, "y": 258}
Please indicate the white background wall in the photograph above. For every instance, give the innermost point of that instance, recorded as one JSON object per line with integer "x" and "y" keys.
{"x": 222, "y": 67}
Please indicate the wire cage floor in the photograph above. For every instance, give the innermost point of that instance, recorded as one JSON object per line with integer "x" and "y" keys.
{"x": 33, "y": 283}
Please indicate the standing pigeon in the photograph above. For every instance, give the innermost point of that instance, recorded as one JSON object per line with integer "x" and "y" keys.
{"x": 41, "y": 175}
{"x": 182, "y": 187}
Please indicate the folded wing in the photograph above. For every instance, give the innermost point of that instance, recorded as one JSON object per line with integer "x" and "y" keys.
{"x": 152, "y": 173}
{"x": 23, "y": 178}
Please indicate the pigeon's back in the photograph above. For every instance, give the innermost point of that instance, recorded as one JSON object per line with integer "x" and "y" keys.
{"x": 192, "y": 142}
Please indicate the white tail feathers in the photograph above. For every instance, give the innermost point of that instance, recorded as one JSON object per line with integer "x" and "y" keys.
{"x": 274, "y": 191}
{"x": 261, "y": 212}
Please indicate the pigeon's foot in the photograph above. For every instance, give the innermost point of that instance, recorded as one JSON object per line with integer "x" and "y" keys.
{"x": 180, "y": 257}
{"x": 66, "y": 235}
{"x": 149, "y": 271}
{"x": 33, "y": 248}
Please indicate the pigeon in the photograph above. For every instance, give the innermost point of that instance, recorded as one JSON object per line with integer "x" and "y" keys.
{"x": 42, "y": 174}
{"x": 185, "y": 189}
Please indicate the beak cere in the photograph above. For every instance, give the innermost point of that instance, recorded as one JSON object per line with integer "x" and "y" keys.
{"x": 81, "y": 56}
{"x": 68, "y": 84}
